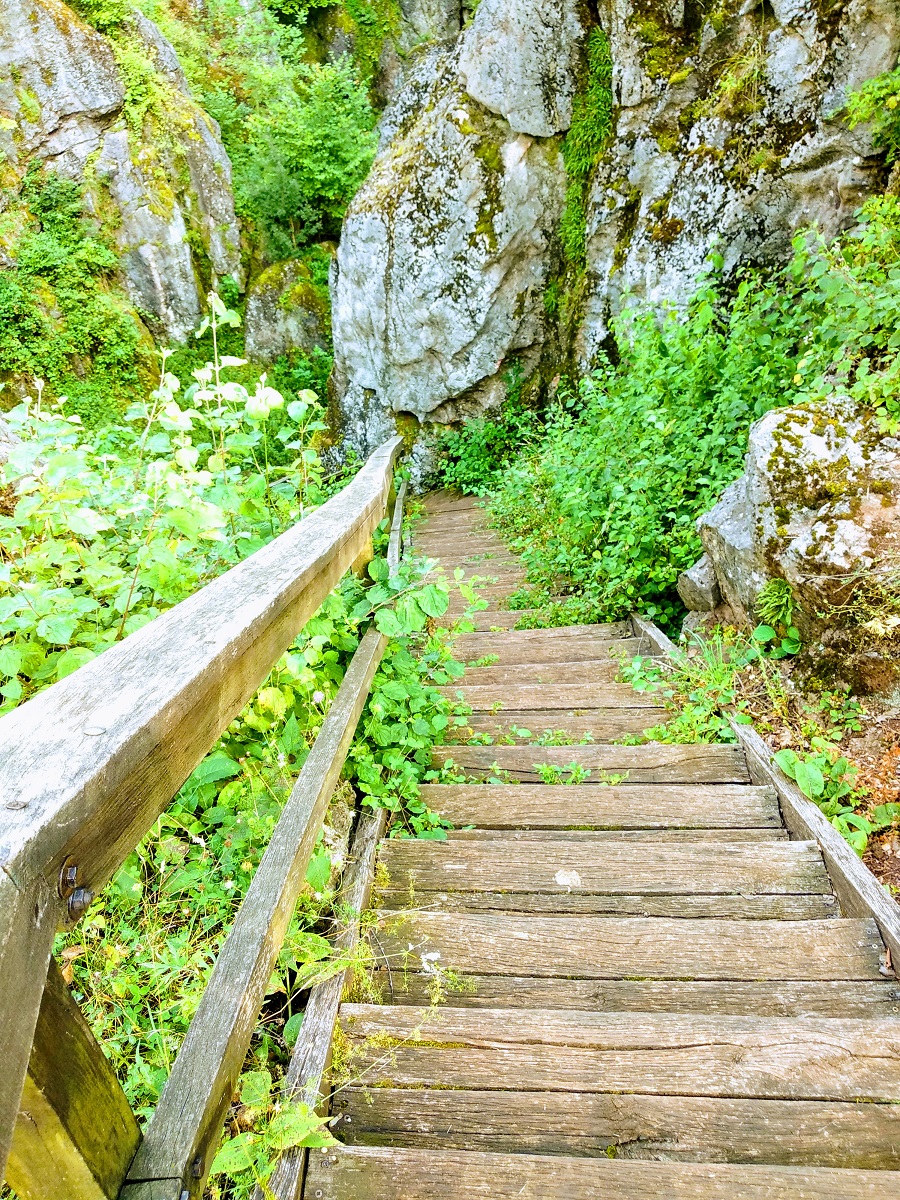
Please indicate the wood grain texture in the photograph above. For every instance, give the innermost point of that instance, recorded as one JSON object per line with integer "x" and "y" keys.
{"x": 367, "y": 1172}
{"x": 606, "y": 868}
{"x": 745, "y": 907}
{"x": 544, "y": 696}
{"x": 588, "y": 670}
{"x": 859, "y": 891}
{"x": 28, "y": 921}
{"x": 624, "y": 806}
{"x": 184, "y": 1130}
{"x": 622, "y": 948}
{"x": 683, "y": 1128}
{"x": 600, "y": 724}
{"x": 488, "y": 619}
{"x": 652, "y": 763}
{"x": 661, "y": 644}
{"x": 649, "y": 836}
{"x": 75, "y": 1134}
{"x": 780, "y": 998}
{"x": 312, "y": 1053}
{"x": 511, "y": 649}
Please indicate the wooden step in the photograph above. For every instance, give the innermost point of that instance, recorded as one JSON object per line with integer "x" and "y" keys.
{"x": 623, "y": 806}
{"x": 650, "y": 836}
{"x": 682, "y": 1128}
{"x": 737, "y": 906}
{"x": 778, "y": 998}
{"x": 543, "y": 697}
{"x": 606, "y": 868}
{"x": 449, "y": 501}
{"x": 534, "y": 646}
{"x": 651, "y": 763}
{"x": 629, "y": 947}
{"x": 586, "y": 670}
{"x": 674, "y": 1054}
{"x": 388, "y": 1173}
{"x": 593, "y": 724}
{"x": 491, "y": 620}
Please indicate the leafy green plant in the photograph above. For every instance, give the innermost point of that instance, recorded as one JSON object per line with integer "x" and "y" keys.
{"x": 775, "y": 605}
{"x": 826, "y": 777}
{"x": 878, "y": 101}
{"x": 472, "y": 457}
{"x": 584, "y": 142}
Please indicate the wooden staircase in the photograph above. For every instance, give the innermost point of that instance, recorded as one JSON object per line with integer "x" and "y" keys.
{"x": 654, "y": 992}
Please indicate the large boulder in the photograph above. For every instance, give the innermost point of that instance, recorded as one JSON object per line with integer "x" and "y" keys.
{"x": 285, "y": 311}
{"x": 521, "y": 61}
{"x": 728, "y": 137}
{"x": 442, "y": 262}
{"x": 818, "y": 507}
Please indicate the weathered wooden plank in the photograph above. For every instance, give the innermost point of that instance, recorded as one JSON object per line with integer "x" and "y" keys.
{"x": 623, "y": 806}
{"x": 622, "y": 948}
{"x": 778, "y": 998}
{"x": 75, "y": 1134}
{"x": 490, "y": 620}
{"x": 857, "y": 888}
{"x": 510, "y": 651}
{"x": 763, "y": 907}
{"x": 600, "y": 724}
{"x": 364, "y": 1172}
{"x": 312, "y": 1053}
{"x": 183, "y": 1133}
{"x": 678, "y": 1054}
{"x": 661, "y": 644}
{"x": 650, "y": 836}
{"x": 683, "y": 1128}
{"x": 606, "y": 868}
{"x": 593, "y": 671}
{"x": 651, "y": 763}
{"x": 28, "y": 922}
{"x": 567, "y": 634}
{"x": 445, "y": 500}
{"x": 543, "y": 696}
{"x": 396, "y": 534}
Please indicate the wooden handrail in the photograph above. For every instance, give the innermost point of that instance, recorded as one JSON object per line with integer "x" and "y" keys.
{"x": 87, "y": 766}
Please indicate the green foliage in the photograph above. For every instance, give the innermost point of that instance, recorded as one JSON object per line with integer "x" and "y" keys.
{"x": 104, "y": 15}
{"x": 878, "y": 101}
{"x": 584, "y": 142}
{"x": 56, "y": 306}
{"x": 591, "y": 111}
{"x": 473, "y": 457}
{"x": 826, "y": 777}
{"x": 304, "y": 154}
{"x": 696, "y": 687}
{"x": 607, "y": 497}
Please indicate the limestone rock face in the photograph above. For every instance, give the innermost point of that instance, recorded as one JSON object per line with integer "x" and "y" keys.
{"x": 520, "y": 60}
{"x": 284, "y": 312}
{"x": 818, "y": 506}
{"x": 732, "y": 144}
{"x": 429, "y": 21}
{"x": 60, "y": 83}
{"x": 442, "y": 262}
{"x": 699, "y": 588}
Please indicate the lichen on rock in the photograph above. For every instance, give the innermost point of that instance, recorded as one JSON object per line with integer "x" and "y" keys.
{"x": 442, "y": 261}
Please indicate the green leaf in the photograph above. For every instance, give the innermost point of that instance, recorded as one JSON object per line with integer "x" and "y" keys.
{"x": 292, "y": 1029}
{"x": 85, "y": 522}
{"x": 318, "y": 873}
{"x": 236, "y": 1155}
{"x": 73, "y": 658}
{"x": 256, "y": 1088}
{"x": 215, "y": 766}
{"x": 763, "y": 634}
{"x": 57, "y": 630}
{"x": 10, "y": 661}
{"x": 298, "y": 1125}
{"x": 433, "y": 600}
{"x": 386, "y": 622}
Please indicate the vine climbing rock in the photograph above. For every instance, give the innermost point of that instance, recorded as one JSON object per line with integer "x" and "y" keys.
{"x": 617, "y": 977}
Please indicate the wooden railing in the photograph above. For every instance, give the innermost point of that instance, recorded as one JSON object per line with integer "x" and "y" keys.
{"x": 86, "y": 767}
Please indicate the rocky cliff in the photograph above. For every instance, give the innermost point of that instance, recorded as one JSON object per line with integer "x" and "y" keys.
{"x": 166, "y": 192}
{"x": 482, "y": 236}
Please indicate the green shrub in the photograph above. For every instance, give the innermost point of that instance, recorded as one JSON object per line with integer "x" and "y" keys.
{"x": 878, "y": 101}
{"x": 472, "y": 457}
{"x": 59, "y": 319}
{"x": 584, "y": 142}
